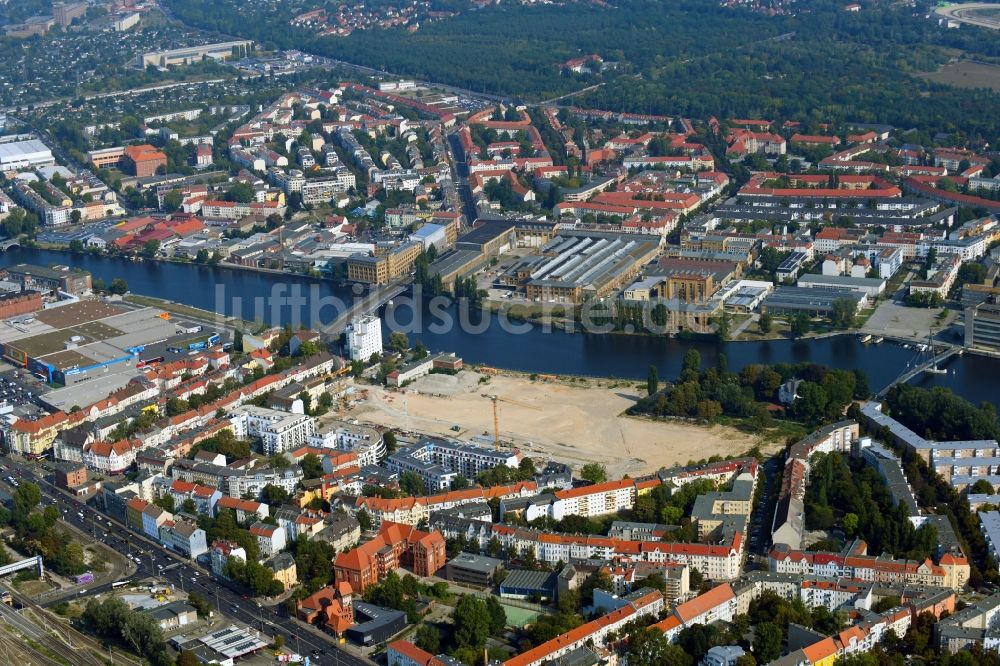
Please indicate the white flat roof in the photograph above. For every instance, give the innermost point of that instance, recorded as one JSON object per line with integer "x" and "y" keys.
{"x": 19, "y": 150}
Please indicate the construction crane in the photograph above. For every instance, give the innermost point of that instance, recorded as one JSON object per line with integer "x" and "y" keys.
{"x": 495, "y": 399}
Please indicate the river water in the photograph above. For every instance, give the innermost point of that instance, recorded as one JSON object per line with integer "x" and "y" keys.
{"x": 486, "y": 339}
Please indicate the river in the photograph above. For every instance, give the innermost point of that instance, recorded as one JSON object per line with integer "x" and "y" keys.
{"x": 490, "y": 341}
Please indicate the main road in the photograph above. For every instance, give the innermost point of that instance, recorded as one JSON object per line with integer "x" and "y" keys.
{"x": 966, "y": 13}
{"x": 155, "y": 561}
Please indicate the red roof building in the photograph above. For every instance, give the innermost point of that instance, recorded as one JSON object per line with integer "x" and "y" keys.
{"x": 396, "y": 545}
{"x": 143, "y": 160}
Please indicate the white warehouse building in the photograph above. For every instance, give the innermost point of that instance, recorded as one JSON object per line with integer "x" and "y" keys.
{"x": 28, "y": 154}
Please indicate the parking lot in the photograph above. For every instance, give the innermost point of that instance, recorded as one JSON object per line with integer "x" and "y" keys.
{"x": 21, "y": 390}
{"x": 77, "y": 232}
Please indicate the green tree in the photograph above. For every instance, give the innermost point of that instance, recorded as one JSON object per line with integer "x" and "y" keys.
{"x": 306, "y": 402}
{"x": 176, "y": 406}
{"x": 51, "y": 515}
{"x": 594, "y": 473}
{"x": 648, "y": 646}
{"x": 151, "y": 248}
{"x": 494, "y": 548}
{"x": 981, "y": 487}
{"x": 850, "y": 523}
{"x": 429, "y": 638}
{"x": 278, "y": 461}
{"x": 200, "y": 604}
{"x": 273, "y": 495}
{"x": 472, "y": 622}
{"x": 166, "y": 503}
{"x": 767, "y": 639}
{"x": 765, "y": 323}
{"x": 118, "y": 286}
{"x": 723, "y": 324}
{"x": 240, "y": 192}
{"x": 389, "y": 439}
{"x": 843, "y": 312}
{"x": 599, "y": 580}
{"x": 412, "y": 484}
{"x": 364, "y": 520}
{"x": 398, "y": 342}
{"x": 770, "y": 259}
{"x": 811, "y": 405}
{"x": 690, "y": 366}
{"x": 312, "y": 466}
{"x": 76, "y": 246}
{"x": 800, "y": 325}
{"x": 26, "y": 497}
{"x": 172, "y": 201}
{"x": 498, "y": 616}
{"x": 652, "y": 381}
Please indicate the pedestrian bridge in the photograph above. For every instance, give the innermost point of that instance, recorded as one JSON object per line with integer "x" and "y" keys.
{"x": 930, "y": 365}
{"x": 35, "y": 561}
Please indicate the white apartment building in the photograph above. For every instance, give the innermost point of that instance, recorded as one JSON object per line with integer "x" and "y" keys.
{"x": 184, "y": 537}
{"x": 278, "y": 431}
{"x": 270, "y": 538}
{"x": 364, "y": 337}
{"x": 366, "y": 442}
{"x": 111, "y": 457}
{"x": 595, "y": 500}
{"x": 252, "y": 483}
{"x": 470, "y": 459}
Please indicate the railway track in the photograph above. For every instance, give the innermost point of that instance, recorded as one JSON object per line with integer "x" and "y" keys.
{"x": 49, "y": 632}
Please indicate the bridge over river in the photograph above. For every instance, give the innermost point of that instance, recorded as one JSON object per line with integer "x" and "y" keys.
{"x": 375, "y": 299}
{"x": 929, "y": 365}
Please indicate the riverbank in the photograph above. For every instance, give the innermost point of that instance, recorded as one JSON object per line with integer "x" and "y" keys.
{"x": 159, "y": 259}
{"x": 575, "y": 420}
{"x": 554, "y": 317}
{"x": 488, "y": 340}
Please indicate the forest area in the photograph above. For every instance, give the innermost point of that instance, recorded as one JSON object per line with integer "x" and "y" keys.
{"x": 822, "y": 65}
{"x": 852, "y": 496}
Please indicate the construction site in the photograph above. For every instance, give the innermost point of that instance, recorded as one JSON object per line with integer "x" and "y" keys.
{"x": 572, "y": 421}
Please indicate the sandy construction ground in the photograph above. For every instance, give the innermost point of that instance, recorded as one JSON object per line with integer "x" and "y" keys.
{"x": 571, "y": 423}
